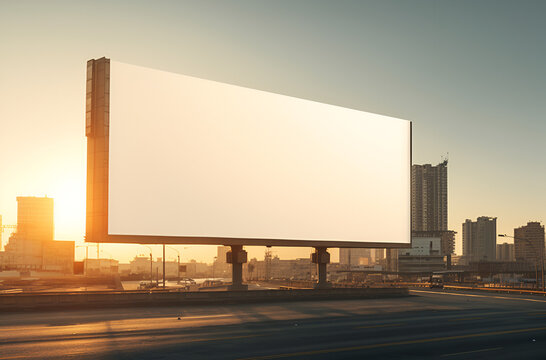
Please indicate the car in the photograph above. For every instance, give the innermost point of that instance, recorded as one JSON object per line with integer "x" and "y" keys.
{"x": 436, "y": 282}
{"x": 145, "y": 285}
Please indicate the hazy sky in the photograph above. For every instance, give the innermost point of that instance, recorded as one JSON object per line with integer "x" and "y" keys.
{"x": 471, "y": 75}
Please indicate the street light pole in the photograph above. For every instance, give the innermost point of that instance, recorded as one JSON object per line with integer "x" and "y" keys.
{"x": 536, "y": 257}
{"x": 163, "y": 266}
{"x": 178, "y": 273}
{"x": 151, "y": 266}
{"x": 213, "y": 266}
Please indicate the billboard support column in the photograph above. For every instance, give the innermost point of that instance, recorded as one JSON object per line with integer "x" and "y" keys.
{"x": 164, "y": 277}
{"x": 97, "y": 131}
{"x": 237, "y": 257}
{"x": 321, "y": 257}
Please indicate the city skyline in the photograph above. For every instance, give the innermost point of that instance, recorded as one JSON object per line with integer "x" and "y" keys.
{"x": 469, "y": 93}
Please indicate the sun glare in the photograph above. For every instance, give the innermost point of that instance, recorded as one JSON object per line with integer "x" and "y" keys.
{"x": 69, "y": 200}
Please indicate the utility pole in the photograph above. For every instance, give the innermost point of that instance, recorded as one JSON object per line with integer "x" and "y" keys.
{"x": 267, "y": 263}
{"x": 213, "y": 266}
{"x": 151, "y": 266}
{"x": 164, "y": 267}
{"x": 542, "y": 268}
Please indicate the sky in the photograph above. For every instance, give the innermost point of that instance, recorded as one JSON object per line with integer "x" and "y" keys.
{"x": 470, "y": 75}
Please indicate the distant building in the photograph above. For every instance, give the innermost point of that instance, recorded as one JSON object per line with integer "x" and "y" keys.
{"x": 31, "y": 246}
{"x": 221, "y": 267}
{"x": 529, "y": 242}
{"x": 429, "y": 197}
{"x": 221, "y": 253}
{"x": 58, "y": 256}
{"x": 124, "y": 269}
{"x": 447, "y": 239}
{"x": 378, "y": 255}
{"x": 425, "y": 255}
{"x": 140, "y": 265}
{"x": 171, "y": 268}
{"x": 100, "y": 266}
{"x": 505, "y": 252}
{"x": 354, "y": 257}
{"x": 423, "y": 246}
{"x": 391, "y": 260}
{"x": 480, "y": 239}
{"x": 297, "y": 269}
{"x": 457, "y": 260}
{"x": 429, "y": 206}
{"x": 35, "y": 218}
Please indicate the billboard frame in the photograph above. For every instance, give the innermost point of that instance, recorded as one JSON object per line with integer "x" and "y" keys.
{"x": 97, "y": 133}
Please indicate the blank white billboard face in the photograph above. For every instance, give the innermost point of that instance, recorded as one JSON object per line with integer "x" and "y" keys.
{"x": 197, "y": 158}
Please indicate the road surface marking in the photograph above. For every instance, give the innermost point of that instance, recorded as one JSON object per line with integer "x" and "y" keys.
{"x": 482, "y": 296}
{"x": 183, "y": 317}
{"x": 378, "y": 326}
{"x": 397, "y": 343}
{"x": 468, "y": 318}
{"x": 219, "y": 338}
{"x": 471, "y": 352}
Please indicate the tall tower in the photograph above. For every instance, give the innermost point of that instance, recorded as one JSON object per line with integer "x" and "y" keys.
{"x": 429, "y": 197}
{"x": 35, "y": 218}
{"x": 529, "y": 242}
{"x": 480, "y": 239}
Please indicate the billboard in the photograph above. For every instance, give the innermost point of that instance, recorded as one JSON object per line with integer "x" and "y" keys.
{"x": 199, "y": 161}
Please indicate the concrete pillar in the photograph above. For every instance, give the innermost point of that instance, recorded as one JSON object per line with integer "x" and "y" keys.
{"x": 237, "y": 257}
{"x": 321, "y": 257}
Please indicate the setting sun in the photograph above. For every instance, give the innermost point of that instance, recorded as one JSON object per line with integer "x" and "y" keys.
{"x": 69, "y": 198}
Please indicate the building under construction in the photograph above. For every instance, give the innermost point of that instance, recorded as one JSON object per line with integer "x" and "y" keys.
{"x": 31, "y": 246}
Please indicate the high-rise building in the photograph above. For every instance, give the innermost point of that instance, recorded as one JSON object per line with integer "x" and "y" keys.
{"x": 35, "y": 218}
{"x": 221, "y": 253}
{"x": 32, "y": 246}
{"x": 220, "y": 265}
{"x": 505, "y": 252}
{"x": 429, "y": 197}
{"x": 429, "y": 205}
{"x": 353, "y": 257}
{"x": 529, "y": 242}
{"x": 480, "y": 239}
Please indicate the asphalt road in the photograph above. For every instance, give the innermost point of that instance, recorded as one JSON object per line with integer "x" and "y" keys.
{"x": 429, "y": 324}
